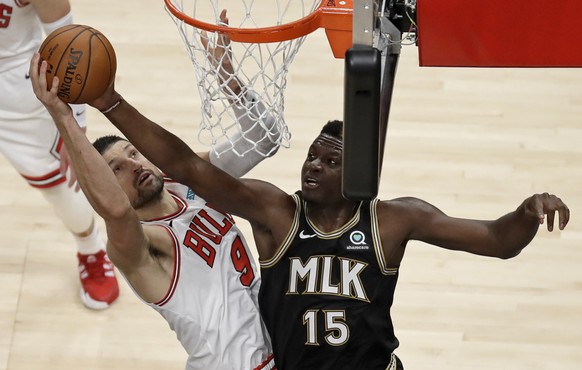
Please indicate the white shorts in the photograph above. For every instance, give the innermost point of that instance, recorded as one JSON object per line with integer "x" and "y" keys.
{"x": 29, "y": 138}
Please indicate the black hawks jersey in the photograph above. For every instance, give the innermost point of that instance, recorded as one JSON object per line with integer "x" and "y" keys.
{"x": 326, "y": 297}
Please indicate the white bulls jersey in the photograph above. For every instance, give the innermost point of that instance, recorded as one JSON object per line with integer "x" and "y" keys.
{"x": 212, "y": 303}
{"x": 28, "y": 137}
{"x": 20, "y": 33}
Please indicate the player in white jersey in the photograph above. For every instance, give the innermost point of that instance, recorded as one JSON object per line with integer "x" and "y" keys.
{"x": 179, "y": 255}
{"x": 31, "y": 143}
{"x": 185, "y": 259}
{"x": 220, "y": 326}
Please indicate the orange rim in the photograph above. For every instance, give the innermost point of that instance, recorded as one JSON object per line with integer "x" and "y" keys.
{"x": 284, "y": 32}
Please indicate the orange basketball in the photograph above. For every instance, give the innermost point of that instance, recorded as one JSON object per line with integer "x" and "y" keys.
{"x": 83, "y": 60}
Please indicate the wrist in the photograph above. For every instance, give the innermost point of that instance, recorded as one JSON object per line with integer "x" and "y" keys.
{"x": 235, "y": 88}
{"x": 106, "y": 101}
{"x": 113, "y": 106}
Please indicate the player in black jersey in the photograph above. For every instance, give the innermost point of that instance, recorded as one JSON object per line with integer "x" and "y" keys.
{"x": 329, "y": 265}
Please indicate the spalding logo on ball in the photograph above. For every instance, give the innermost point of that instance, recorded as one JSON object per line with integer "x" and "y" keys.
{"x": 83, "y": 60}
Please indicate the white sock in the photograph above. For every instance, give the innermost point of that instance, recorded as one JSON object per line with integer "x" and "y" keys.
{"x": 90, "y": 244}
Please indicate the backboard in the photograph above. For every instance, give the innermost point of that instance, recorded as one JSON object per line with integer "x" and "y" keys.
{"x": 370, "y": 69}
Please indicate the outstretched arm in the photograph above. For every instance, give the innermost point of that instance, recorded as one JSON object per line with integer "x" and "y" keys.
{"x": 254, "y": 200}
{"x": 502, "y": 238}
{"x": 178, "y": 161}
{"x": 259, "y": 136}
{"x": 126, "y": 239}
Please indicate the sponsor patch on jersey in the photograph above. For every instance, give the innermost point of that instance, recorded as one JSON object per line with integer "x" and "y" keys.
{"x": 358, "y": 241}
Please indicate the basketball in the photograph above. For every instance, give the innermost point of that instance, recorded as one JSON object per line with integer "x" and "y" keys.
{"x": 83, "y": 60}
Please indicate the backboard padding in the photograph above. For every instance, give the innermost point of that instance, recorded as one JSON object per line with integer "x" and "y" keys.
{"x": 500, "y": 33}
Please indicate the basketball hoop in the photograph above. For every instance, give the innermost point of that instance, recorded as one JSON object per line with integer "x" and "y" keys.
{"x": 333, "y": 15}
{"x": 265, "y": 36}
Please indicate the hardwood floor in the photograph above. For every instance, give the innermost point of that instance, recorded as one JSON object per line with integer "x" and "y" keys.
{"x": 473, "y": 142}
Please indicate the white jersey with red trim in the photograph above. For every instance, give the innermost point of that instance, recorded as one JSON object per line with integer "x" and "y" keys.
{"x": 212, "y": 303}
{"x": 29, "y": 138}
{"x": 20, "y": 33}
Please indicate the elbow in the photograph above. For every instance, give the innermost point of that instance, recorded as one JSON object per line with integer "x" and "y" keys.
{"x": 508, "y": 254}
{"x": 271, "y": 141}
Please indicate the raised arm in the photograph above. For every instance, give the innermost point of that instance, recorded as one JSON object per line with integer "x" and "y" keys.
{"x": 502, "y": 238}
{"x": 126, "y": 239}
{"x": 259, "y": 202}
{"x": 254, "y": 200}
{"x": 259, "y": 136}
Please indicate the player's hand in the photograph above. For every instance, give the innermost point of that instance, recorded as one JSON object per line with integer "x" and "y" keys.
{"x": 65, "y": 165}
{"x": 540, "y": 206}
{"x": 220, "y": 56}
{"x": 49, "y": 98}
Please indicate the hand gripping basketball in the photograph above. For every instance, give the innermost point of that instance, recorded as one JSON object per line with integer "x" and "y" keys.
{"x": 83, "y": 60}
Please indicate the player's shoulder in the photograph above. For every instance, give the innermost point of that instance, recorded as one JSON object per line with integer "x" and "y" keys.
{"x": 404, "y": 205}
{"x": 177, "y": 188}
{"x": 402, "y": 202}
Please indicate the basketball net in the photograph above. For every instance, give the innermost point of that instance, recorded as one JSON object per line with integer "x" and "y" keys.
{"x": 261, "y": 67}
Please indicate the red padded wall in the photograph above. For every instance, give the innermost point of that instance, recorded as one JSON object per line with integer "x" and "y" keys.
{"x": 500, "y": 33}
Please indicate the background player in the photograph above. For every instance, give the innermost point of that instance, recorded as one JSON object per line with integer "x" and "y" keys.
{"x": 31, "y": 143}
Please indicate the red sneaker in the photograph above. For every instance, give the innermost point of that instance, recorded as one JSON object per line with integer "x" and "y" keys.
{"x": 98, "y": 283}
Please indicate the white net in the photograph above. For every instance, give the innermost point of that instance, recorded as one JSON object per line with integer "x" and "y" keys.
{"x": 250, "y": 118}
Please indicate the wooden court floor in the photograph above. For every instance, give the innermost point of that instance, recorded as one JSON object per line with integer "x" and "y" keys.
{"x": 473, "y": 142}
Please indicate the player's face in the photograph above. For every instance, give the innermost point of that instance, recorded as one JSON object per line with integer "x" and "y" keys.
{"x": 138, "y": 177}
{"x": 322, "y": 170}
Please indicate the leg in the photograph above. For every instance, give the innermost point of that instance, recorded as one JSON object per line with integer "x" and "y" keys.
{"x": 99, "y": 286}
{"x": 29, "y": 140}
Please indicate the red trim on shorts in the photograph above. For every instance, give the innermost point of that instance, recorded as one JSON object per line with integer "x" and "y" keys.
{"x": 49, "y": 185}
{"x": 268, "y": 364}
{"x": 43, "y": 177}
{"x": 46, "y": 181}
{"x": 60, "y": 144}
